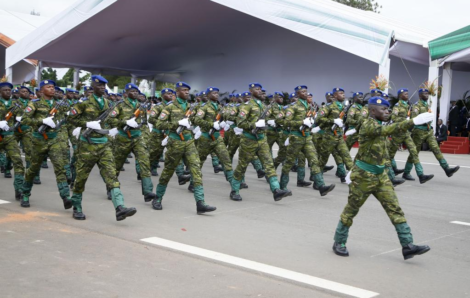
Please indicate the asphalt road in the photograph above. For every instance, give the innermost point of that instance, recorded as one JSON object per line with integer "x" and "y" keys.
{"x": 45, "y": 253}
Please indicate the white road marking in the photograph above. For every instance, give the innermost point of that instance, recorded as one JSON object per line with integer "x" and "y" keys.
{"x": 434, "y": 164}
{"x": 460, "y": 223}
{"x": 271, "y": 270}
{"x": 4, "y": 202}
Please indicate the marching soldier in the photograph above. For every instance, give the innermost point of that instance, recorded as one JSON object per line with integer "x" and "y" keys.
{"x": 353, "y": 119}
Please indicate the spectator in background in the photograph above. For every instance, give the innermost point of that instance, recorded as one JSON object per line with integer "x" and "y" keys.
{"x": 453, "y": 118}
{"x": 441, "y": 132}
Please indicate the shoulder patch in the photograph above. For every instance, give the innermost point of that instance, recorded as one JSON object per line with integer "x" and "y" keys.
{"x": 73, "y": 111}
{"x": 162, "y": 115}
{"x": 322, "y": 112}
{"x": 351, "y": 113}
{"x": 329, "y": 103}
{"x": 237, "y": 105}
{"x": 242, "y": 114}
{"x": 152, "y": 113}
{"x": 113, "y": 114}
{"x": 364, "y": 113}
{"x": 28, "y": 109}
{"x": 200, "y": 112}
{"x": 169, "y": 103}
{"x": 233, "y": 112}
{"x": 36, "y": 99}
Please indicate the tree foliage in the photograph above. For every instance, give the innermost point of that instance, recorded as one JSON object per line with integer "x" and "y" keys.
{"x": 368, "y": 5}
{"x": 49, "y": 74}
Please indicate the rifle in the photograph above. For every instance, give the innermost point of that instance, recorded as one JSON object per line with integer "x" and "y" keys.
{"x": 345, "y": 118}
{"x": 217, "y": 118}
{"x": 55, "y": 109}
{"x": 341, "y": 116}
{"x": 137, "y": 112}
{"x": 101, "y": 118}
{"x": 10, "y": 114}
{"x": 188, "y": 113}
{"x": 311, "y": 113}
{"x": 262, "y": 117}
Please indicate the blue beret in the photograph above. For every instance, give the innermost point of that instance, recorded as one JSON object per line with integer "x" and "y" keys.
{"x": 385, "y": 95}
{"x": 246, "y": 93}
{"x": 300, "y": 87}
{"x": 210, "y": 89}
{"x": 24, "y": 87}
{"x": 337, "y": 90}
{"x": 36, "y": 89}
{"x": 373, "y": 91}
{"x": 119, "y": 94}
{"x": 59, "y": 89}
{"x": 15, "y": 90}
{"x": 292, "y": 95}
{"x": 263, "y": 90}
{"x": 270, "y": 96}
{"x": 106, "y": 90}
{"x": 131, "y": 86}
{"x": 167, "y": 90}
{"x": 278, "y": 93}
{"x": 182, "y": 84}
{"x": 86, "y": 88}
{"x": 99, "y": 79}
{"x": 76, "y": 91}
{"x": 328, "y": 94}
{"x": 357, "y": 93}
{"x": 400, "y": 91}
{"x": 376, "y": 100}
{"x": 69, "y": 90}
{"x": 253, "y": 85}
{"x": 423, "y": 90}
{"x": 237, "y": 95}
{"x": 46, "y": 82}
{"x": 174, "y": 92}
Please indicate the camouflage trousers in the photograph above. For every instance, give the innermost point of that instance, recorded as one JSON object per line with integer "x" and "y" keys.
{"x": 331, "y": 143}
{"x": 419, "y": 137}
{"x": 228, "y": 134}
{"x": 351, "y": 140}
{"x": 89, "y": 155}
{"x": 397, "y": 140}
{"x": 10, "y": 145}
{"x": 254, "y": 149}
{"x": 26, "y": 139}
{"x": 137, "y": 145}
{"x": 282, "y": 153}
{"x": 273, "y": 137}
{"x": 207, "y": 146}
{"x": 155, "y": 147}
{"x": 234, "y": 145}
{"x": 365, "y": 184}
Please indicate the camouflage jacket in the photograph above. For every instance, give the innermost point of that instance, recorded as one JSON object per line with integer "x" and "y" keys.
{"x": 354, "y": 116}
{"x": 206, "y": 115}
{"x": 5, "y": 106}
{"x": 38, "y": 109}
{"x": 400, "y": 111}
{"x": 155, "y": 112}
{"x": 173, "y": 112}
{"x": 328, "y": 114}
{"x": 233, "y": 113}
{"x": 372, "y": 140}
{"x": 88, "y": 110}
{"x": 421, "y": 107}
{"x": 23, "y": 103}
{"x": 295, "y": 115}
{"x": 124, "y": 112}
{"x": 249, "y": 114}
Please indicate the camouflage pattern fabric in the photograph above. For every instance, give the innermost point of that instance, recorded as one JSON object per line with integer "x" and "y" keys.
{"x": 353, "y": 120}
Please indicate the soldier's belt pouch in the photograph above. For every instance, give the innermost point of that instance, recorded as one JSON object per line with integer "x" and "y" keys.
{"x": 374, "y": 169}
{"x": 252, "y": 136}
{"x": 50, "y": 135}
{"x": 6, "y": 133}
{"x": 186, "y": 136}
{"x": 102, "y": 140}
{"x": 134, "y": 133}
{"x": 207, "y": 136}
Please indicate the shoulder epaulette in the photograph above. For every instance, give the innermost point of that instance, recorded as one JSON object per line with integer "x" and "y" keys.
{"x": 169, "y": 103}
{"x": 203, "y": 104}
{"x": 248, "y": 102}
{"x": 158, "y": 104}
{"x": 231, "y": 104}
{"x": 237, "y": 104}
{"x": 329, "y": 103}
{"x": 36, "y": 99}
{"x": 285, "y": 107}
{"x": 293, "y": 103}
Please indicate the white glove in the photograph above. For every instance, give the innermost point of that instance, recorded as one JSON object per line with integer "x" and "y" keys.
{"x": 4, "y": 125}
{"x": 308, "y": 122}
{"x": 339, "y": 122}
{"x": 132, "y": 123}
{"x": 260, "y": 123}
{"x": 423, "y": 118}
{"x": 350, "y": 132}
{"x": 196, "y": 129}
{"x": 113, "y": 132}
{"x": 197, "y": 134}
{"x": 229, "y": 122}
{"x": 76, "y": 132}
{"x": 227, "y": 127}
{"x": 184, "y": 122}
{"x": 238, "y": 131}
{"x": 272, "y": 123}
{"x": 222, "y": 124}
{"x": 348, "y": 178}
{"x": 150, "y": 127}
{"x": 18, "y": 119}
{"x": 68, "y": 113}
{"x": 165, "y": 141}
{"x": 49, "y": 122}
{"x": 407, "y": 118}
{"x": 216, "y": 125}
{"x": 316, "y": 129}
{"x": 286, "y": 143}
{"x": 93, "y": 124}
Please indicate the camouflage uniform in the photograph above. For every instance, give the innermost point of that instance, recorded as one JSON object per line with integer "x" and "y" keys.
{"x": 207, "y": 143}
{"x": 228, "y": 133}
{"x": 9, "y": 143}
{"x": 50, "y": 144}
{"x": 97, "y": 152}
{"x": 74, "y": 142}
{"x": 352, "y": 121}
{"x": 299, "y": 142}
{"x": 136, "y": 143}
{"x": 274, "y": 133}
{"x": 369, "y": 177}
{"x": 156, "y": 136}
{"x": 330, "y": 141}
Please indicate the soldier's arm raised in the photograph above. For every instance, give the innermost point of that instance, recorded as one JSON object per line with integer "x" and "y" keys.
{"x": 385, "y": 130}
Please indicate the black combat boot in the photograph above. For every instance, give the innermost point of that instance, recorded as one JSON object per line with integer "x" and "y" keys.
{"x": 44, "y": 165}
{"x": 67, "y": 203}
{"x": 261, "y": 173}
{"x": 234, "y": 196}
{"x": 129, "y": 155}
{"x": 18, "y": 195}
{"x": 138, "y": 177}
{"x": 325, "y": 189}
{"x": 191, "y": 188}
{"x": 243, "y": 185}
{"x": 127, "y": 161}
{"x": 123, "y": 212}
{"x": 294, "y": 169}
{"x": 182, "y": 179}
{"x": 108, "y": 193}
{"x": 398, "y": 181}
{"x": 303, "y": 183}
{"x": 408, "y": 177}
{"x": 186, "y": 172}
{"x": 278, "y": 194}
{"x": 425, "y": 178}
{"x": 157, "y": 204}
{"x": 78, "y": 215}
{"x": 149, "y": 197}
{"x": 154, "y": 172}
{"x": 218, "y": 169}
{"x": 451, "y": 171}
{"x": 37, "y": 180}
{"x": 2, "y": 169}
{"x": 397, "y": 171}
{"x": 412, "y": 250}
{"x": 202, "y": 207}
{"x": 8, "y": 174}
{"x": 328, "y": 168}
{"x": 340, "y": 249}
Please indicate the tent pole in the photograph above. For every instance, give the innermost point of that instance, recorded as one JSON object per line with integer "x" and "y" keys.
{"x": 153, "y": 87}
{"x": 446, "y": 91}
{"x": 38, "y": 72}
{"x": 76, "y": 77}
{"x": 133, "y": 79}
{"x": 433, "y": 77}
{"x": 384, "y": 70}
{"x": 9, "y": 74}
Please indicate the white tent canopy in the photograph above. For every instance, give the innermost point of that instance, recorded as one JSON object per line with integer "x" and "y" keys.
{"x": 162, "y": 39}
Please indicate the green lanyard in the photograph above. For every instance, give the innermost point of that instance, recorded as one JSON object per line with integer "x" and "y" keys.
{"x": 215, "y": 106}
{"x": 183, "y": 103}
{"x": 7, "y": 103}
{"x": 100, "y": 101}
{"x": 133, "y": 102}
{"x": 303, "y": 102}
{"x": 340, "y": 106}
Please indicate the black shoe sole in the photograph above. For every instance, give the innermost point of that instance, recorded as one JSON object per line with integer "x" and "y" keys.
{"x": 25, "y": 206}
{"x": 329, "y": 190}
{"x": 288, "y": 194}
{"x": 79, "y": 218}
{"x": 202, "y": 212}
{"x": 304, "y": 185}
{"x": 452, "y": 174}
{"x": 340, "y": 254}
{"x": 424, "y": 181}
{"x": 68, "y": 205}
{"x": 409, "y": 179}
{"x": 417, "y": 254}
{"x": 128, "y": 214}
